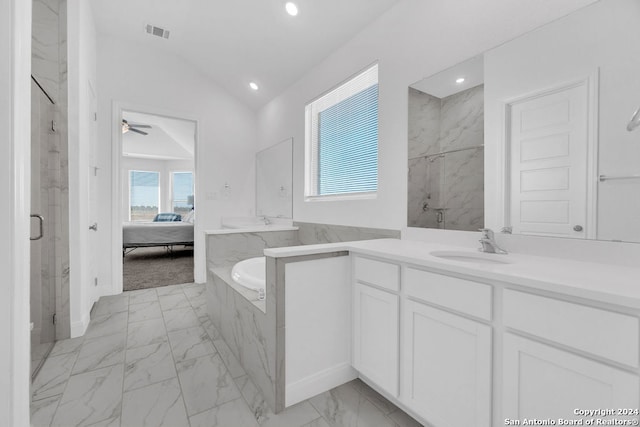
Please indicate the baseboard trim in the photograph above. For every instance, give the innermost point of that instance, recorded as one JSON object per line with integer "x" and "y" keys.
{"x": 79, "y": 328}
{"x": 320, "y": 382}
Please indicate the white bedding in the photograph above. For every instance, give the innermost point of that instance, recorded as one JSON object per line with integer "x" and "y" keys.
{"x": 156, "y": 233}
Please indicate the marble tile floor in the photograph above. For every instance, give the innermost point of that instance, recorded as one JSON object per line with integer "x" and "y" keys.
{"x": 153, "y": 358}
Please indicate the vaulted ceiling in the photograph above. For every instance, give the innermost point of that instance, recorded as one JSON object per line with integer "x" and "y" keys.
{"x": 241, "y": 41}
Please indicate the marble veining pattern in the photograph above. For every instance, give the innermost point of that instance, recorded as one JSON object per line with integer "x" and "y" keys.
{"x": 446, "y": 190}
{"x": 170, "y": 382}
{"x": 312, "y": 233}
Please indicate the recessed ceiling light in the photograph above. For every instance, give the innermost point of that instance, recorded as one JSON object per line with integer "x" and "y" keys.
{"x": 253, "y": 86}
{"x": 292, "y": 9}
{"x": 460, "y": 80}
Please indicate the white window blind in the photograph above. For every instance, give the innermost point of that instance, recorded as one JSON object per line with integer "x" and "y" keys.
{"x": 342, "y": 139}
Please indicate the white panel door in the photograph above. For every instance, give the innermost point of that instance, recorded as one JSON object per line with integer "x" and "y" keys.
{"x": 543, "y": 382}
{"x": 376, "y": 336}
{"x": 446, "y": 367}
{"x": 548, "y": 146}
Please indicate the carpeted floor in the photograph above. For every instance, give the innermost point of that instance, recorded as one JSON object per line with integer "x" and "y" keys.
{"x": 152, "y": 267}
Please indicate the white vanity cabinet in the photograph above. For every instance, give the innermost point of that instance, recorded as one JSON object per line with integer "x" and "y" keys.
{"x": 543, "y": 380}
{"x": 376, "y": 325}
{"x": 446, "y": 356}
{"x": 456, "y": 352}
{"x": 375, "y": 332}
{"x": 446, "y": 367}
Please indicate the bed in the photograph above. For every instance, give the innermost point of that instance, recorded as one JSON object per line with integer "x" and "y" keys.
{"x": 148, "y": 234}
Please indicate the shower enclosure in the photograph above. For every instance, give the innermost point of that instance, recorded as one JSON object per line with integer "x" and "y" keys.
{"x": 446, "y": 159}
{"x": 446, "y": 190}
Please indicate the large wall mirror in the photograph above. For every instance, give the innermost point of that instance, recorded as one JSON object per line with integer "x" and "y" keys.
{"x": 543, "y": 119}
{"x": 274, "y": 180}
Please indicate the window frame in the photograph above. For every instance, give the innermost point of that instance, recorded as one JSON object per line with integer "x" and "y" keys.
{"x": 346, "y": 89}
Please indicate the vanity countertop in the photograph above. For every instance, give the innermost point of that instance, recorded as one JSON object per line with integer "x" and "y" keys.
{"x": 602, "y": 282}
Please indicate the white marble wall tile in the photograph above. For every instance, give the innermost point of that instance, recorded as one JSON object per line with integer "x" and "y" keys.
{"x": 156, "y": 405}
{"x": 206, "y": 383}
{"x": 91, "y": 397}
{"x": 53, "y": 376}
{"x": 190, "y": 343}
{"x": 235, "y": 413}
{"x": 45, "y": 45}
{"x": 311, "y": 233}
{"x": 193, "y": 291}
{"x": 231, "y": 362}
{"x": 462, "y": 119}
{"x": 424, "y": 123}
{"x": 145, "y": 333}
{"x": 227, "y": 249}
{"x": 144, "y": 311}
{"x": 101, "y": 352}
{"x": 147, "y": 365}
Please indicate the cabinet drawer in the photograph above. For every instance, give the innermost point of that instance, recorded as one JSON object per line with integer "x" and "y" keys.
{"x": 457, "y": 294}
{"x": 603, "y": 333}
{"x": 378, "y": 273}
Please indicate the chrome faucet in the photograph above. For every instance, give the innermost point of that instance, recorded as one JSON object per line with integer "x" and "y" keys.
{"x": 488, "y": 242}
{"x": 266, "y": 220}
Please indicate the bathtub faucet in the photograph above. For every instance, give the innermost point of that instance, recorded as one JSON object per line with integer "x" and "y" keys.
{"x": 266, "y": 220}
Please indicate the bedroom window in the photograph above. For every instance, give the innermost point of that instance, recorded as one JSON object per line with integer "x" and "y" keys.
{"x": 144, "y": 195}
{"x": 341, "y": 141}
{"x": 182, "y": 192}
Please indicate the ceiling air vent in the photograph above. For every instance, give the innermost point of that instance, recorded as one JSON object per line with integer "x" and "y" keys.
{"x": 157, "y": 31}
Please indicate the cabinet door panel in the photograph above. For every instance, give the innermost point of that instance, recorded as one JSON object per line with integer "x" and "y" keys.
{"x": 543, "y": 382}
{"x": 376, "y": 336}
{"x": 447, "y": 367}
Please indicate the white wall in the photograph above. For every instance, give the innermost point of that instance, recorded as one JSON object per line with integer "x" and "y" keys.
{"x": 414, "y": 39}
{"x": 81, "y": 48}
{"x": 592, "y": 40}
{"x": 15, "y": 112}
{"x": 164, "y": 167}
{"x": 147, "y": 79}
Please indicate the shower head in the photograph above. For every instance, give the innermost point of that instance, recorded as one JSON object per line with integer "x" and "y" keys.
{"x": 635, "y": 121}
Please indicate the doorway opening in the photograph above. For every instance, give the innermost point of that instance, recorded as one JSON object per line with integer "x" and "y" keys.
{"x": 157, "y": 206}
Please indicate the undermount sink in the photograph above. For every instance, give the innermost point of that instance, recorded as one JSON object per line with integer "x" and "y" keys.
{"x": 470, "y": 257}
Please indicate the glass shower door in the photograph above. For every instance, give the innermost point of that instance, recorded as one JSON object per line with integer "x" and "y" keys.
{"x": 45, "y": 166}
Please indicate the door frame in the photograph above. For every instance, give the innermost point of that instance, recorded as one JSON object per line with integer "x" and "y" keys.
{"x": 591, "y": 83}
{"x": 15, "y": 170}
{"x": 116, "y": 189}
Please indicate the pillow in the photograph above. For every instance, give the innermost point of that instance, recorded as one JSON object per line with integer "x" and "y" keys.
{"x": 190, "y": 217}
{"x": 167, "y": 217}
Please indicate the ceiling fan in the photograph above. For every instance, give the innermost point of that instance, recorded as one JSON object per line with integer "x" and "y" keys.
{"x": 126, "y": 127}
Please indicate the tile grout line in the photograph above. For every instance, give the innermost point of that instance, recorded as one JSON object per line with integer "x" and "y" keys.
{"x": 175, "y": 366}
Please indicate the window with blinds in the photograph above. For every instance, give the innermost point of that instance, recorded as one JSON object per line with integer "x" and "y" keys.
{"x": 182, "y": 192}
{"x": 144, "y": 195}
{"x": 342, "y": 140}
